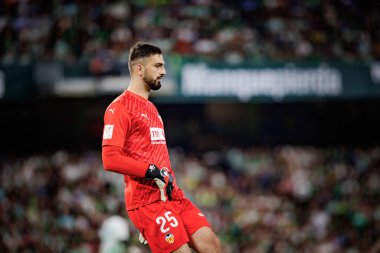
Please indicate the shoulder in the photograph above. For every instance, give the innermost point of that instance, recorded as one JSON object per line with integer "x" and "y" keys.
{"x": 117, "y": 106}
{"x": 152, "y": 106}
{"x": 121, "y": 101}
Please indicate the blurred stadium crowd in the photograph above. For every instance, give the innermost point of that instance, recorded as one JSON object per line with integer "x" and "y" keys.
{"x": 285, "y": 199}
{"x": 101, "y": 31}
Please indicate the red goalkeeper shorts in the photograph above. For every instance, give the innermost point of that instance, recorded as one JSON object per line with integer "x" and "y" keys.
{"x": 168, "y": 225}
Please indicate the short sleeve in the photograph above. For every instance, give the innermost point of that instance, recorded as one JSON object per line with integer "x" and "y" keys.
{"x": 116, "y": 125}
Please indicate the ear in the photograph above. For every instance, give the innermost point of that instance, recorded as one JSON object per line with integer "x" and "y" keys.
{"x": 139, "y": 68}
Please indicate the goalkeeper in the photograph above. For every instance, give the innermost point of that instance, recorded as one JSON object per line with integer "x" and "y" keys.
{"x": 134, "y": 145}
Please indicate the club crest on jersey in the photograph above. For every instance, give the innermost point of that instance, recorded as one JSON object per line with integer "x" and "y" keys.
{"x": 157, "y": 135}
{"x": 169, "y": 238}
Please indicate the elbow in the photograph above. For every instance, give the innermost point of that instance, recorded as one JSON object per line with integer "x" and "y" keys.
{"x": 106, "y": 165}
{"x": 107, "y": 158}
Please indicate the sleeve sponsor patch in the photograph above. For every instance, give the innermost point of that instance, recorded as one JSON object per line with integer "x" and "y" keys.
{"x": 107, "y": 133}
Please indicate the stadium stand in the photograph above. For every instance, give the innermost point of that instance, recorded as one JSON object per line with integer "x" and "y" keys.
{"x": 283, "y": 199}
{"x": 233, "y": 31}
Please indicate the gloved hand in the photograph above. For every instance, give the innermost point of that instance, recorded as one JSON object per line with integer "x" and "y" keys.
{"x": 142, "y": 239}
{"x": 164, "y": 180}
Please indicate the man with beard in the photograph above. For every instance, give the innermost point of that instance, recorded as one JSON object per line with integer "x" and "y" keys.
{"x": 134, "y": 145}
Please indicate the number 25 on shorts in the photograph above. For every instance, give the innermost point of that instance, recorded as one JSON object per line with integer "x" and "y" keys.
{"x": 168, "y": 218}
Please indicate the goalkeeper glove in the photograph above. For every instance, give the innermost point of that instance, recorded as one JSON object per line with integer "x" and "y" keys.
{"x": 164, "y": 180}
{"x": 142, "y": 239}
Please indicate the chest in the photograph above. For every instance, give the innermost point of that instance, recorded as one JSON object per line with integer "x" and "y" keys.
{"x": 146, "y": 122}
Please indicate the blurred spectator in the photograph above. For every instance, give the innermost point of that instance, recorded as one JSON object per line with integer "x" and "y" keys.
{"x": 114, "y": 233}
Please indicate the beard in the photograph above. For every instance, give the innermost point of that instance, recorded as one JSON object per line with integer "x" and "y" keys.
{"x": 154, "y": 84}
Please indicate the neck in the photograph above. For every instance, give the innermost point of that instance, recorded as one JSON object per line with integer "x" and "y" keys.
{"x": 139, "y": 88}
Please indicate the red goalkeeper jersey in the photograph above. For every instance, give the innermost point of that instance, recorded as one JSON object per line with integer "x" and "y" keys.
{"x": 133, "y": 124}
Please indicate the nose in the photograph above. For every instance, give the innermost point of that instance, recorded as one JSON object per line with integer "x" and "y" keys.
{"x": 163, "y": 72}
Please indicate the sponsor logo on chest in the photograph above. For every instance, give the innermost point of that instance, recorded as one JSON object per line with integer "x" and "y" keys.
{"x": 157, "y": 135}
